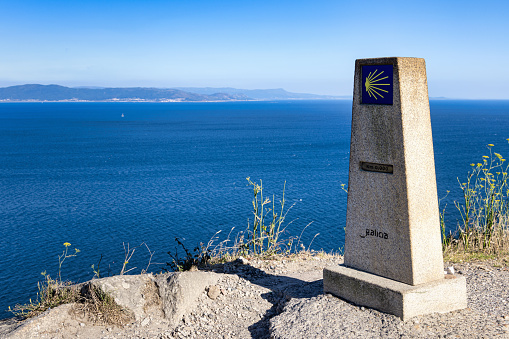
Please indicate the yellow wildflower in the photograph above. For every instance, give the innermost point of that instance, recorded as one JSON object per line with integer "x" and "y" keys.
{"x": 485, "y": 157}
{"x": 66, "y": 244}
{"x": 490, "y": 145}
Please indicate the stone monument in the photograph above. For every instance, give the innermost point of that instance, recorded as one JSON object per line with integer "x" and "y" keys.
{"x": 393, "y": 254}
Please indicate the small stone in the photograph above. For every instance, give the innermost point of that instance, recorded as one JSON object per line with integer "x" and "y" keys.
{"x": 362, "y": 308}
{"x": 450, "y": 270}
{"x": 82, "y": 324}
{"x": 145, "y": 321}
{"x": 242, "y": 260}
{"x": 213, "y": 292}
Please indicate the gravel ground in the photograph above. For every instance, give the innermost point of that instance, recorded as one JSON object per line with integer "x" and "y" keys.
{"x": 325, "y": 316}
{"x": 284, "y": 299}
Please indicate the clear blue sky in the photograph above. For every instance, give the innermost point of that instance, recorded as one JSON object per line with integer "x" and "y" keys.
{"x": 301, "y": 46}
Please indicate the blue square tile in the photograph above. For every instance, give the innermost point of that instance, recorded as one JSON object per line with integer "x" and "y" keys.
{"x": 377, "y": 85}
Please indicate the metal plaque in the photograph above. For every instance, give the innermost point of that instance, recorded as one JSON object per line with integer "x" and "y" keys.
{"x": 372, "y": 167}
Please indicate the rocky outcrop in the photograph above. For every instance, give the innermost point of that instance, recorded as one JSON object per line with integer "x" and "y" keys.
{"x": 162, "y": 299}
{"x": 136, "y": 293}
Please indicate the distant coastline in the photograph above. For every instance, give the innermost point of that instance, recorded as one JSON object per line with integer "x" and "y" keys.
{"x": 57, "y": 93}
{"x": 132, "y": 100}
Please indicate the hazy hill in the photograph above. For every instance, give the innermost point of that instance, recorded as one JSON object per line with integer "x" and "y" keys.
{"x": 259, "y": 94}
{"x": 58, "y": 93}
{"x": 61, "y": 93}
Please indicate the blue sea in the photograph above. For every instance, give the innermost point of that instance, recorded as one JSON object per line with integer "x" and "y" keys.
{"x": 104, "y": 175}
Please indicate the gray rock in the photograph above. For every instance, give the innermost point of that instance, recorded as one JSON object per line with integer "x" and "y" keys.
{"x": 133, "y": 292}
{"x": 179, "y": 291}
{"x": 213, "y": 292}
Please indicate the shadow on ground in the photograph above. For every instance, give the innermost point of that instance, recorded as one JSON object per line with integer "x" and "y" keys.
{"x": 283, "y": 288}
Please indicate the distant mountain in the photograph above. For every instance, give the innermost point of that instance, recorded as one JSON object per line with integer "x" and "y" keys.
{"x": 260, "y": 94}
{"x": 90, "y": 87}
{"x": 92, "y": 93}
{"x": 61, "y": 93}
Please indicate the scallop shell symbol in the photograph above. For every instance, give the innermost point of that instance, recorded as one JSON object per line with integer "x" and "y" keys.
{"x": 372, "y": 84}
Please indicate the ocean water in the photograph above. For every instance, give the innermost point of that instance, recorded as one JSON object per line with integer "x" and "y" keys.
{"x": 81, "y": 173}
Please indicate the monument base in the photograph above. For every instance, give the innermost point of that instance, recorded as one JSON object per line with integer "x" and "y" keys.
{"x": 394, "y": 297}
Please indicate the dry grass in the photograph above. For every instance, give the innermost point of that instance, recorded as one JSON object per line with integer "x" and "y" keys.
{"x": 90, "y": 303}
{"x": 99, "y": 307}
{"x": 52, "y": 293}
{"x": 456, "y": 250}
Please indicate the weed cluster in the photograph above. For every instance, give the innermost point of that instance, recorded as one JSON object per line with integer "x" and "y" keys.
{"x": 484, "y": 211}
{"x": 89, "y": 301}
{"x": 262, "y": 237}
{"x": 51, "y": 293}
{"x": 199, "y": 256}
